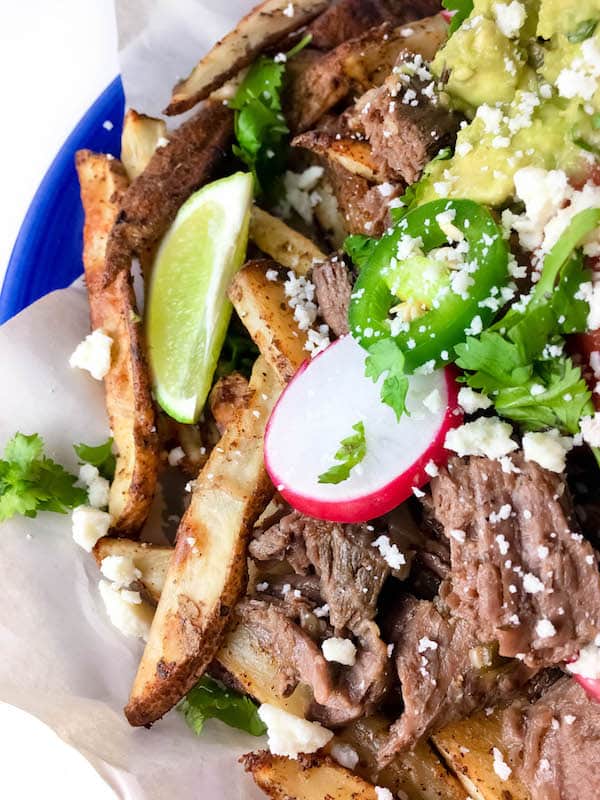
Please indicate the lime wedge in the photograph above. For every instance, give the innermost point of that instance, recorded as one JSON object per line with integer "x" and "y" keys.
{"x": 187, "y": 310}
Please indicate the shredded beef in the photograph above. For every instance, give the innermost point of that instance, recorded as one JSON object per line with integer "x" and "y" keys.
{"x": 364, "y": 207}
{"x": 523, "y": 574}
{"x": 333, "y": 289}
{"x": 341, "y": 694}
{"x": 404, "y": 134}
{"x": 439, "y": 682}
{"x": 554, "y": 744}
{"x": 351, "y": 571}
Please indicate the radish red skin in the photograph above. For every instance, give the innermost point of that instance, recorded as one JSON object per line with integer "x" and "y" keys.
{"x": 381, "y": 501}
{"x": 591, "y": 686}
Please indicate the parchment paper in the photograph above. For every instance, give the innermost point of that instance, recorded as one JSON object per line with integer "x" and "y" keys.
{"x": 61, "y": 659}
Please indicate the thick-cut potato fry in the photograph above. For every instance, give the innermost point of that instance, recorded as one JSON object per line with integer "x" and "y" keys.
{"x": 315, "y": 777}
{"x": 418, "y": 773}
{"x": 174, "y": 172}
{"x": 151, "y": 560}
{"x": 254, "y": 670}
{"x": 262, "y": 306}
{"x": 207, "y": 571}
{"x": 285, "y": 245}
{"x": 355, "y": 66}
{"x": 467, "y": 747}
{"x": 140, "y": 138}
{"x": 354, "y": 155}
{"x": 127, "y": 388}
{"x": 264, "y": 26}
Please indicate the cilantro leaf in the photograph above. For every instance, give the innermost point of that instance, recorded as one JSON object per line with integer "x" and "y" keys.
{"x": 31, "y": 482}
{"x": 386, "y": 357}
{"x": 359, "y": 248}
{"x": 210, "y": 700}
{"x": 352, "y": 451}
{"x": 564, "y": 400}
{"x": 260, "y": 127}
{"x": 583, "y": 31}
{"x": 100, "y": 456}
{"x": 462, "y": 8}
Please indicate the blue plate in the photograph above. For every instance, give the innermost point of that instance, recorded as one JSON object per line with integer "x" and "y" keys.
{"x": 47, "y": 252}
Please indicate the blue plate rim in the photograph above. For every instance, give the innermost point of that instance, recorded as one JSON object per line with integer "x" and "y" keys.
{"x": 17, "y": 290}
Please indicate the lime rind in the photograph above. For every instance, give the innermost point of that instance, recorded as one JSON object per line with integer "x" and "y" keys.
{"x": 187, "y": 309}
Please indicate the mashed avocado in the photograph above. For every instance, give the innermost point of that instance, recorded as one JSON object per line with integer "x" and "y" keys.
{"x": 531, "y": 101}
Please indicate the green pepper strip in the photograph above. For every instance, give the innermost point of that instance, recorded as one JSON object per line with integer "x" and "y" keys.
{"x": 442, "y": 327}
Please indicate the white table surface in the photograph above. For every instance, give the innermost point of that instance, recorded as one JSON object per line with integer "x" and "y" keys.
{"x": 55, "y": 58}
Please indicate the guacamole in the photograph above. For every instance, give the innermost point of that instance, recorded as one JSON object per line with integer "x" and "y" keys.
{"x": 526, "y": 75}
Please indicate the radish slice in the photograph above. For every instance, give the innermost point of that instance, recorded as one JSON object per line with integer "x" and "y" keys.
{"x": 591, "y": 686}
{"x": 318, "y": 409}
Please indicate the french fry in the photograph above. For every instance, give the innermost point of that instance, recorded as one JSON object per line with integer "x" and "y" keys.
{"x": 207, "y": 571}
{"x": 467, "y": 746}
{"x": 418, "y": 774}
{"x": 262, "y": 306}
{"x": 285, "y": 245}
{"x": 148, "y": 207}
{"x": 254, "y": 670}
{"x": 140, "y": 138}
{"x": 352, "y": 154}
{"x": 127, "y": 388}
{"x": 315, "y": 777}
{"x": 264, "y": 26}
{"x": 151, "y": 560}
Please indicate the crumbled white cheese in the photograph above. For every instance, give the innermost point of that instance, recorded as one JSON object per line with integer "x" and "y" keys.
{"x": 93, "y": 354}
{"x": 301, "y": 297}
{"x": 393, "y": 557}
{"x": 176, "y": 456}
{"x": 343, "y": 651}
{"x": 120, "y": 570}
{"x": 487, "y": 436}
{"x": 510, "y": 18}
{"x": 501, "y": 768}
{"x": 425, "y": 643}
{"x": 299, "y": 192}
{"x": 345, "y": 755}
{"x": 98, "y": 488}
{"x": 317, "y": 340}
{"x": 383, "y": 794}
{"x": 432, "y": 469}
{"x": 126, "y": 610}
{"x": 590, "y": 429}
{"x": 321, "y": 611}
{"x": 503, "y": 512}
{"x": 532, "y": 584}
{"x": 458, "y": 535}
{"x": 471, "y": 401}
{"x": 288, "y": 11}
{"x": 588, "y": 662}
{"x": 89, "y": 525}
{"x": 548, "y": 449}
{"x": 271, "y": 275}
{"x": 290, "y": 735}
{"x": 491, "y": 118}
{"x": 545, "y": 629}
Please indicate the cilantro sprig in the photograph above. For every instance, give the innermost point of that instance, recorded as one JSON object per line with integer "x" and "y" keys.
{"x": 260, "y": 127}
{"x": 352, "y": 451}
{"x": 210, "y": 700}
{"x": 99, "y": 456}
{"x": 583, "y": 31}
{"x": 386, "y": 357}
{"x": 31, "y": 482}
{"x": 513, "y": 361}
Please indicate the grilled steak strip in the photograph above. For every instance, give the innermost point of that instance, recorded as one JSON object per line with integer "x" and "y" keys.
{"x": 439, "y": 683}
{"x": 333, "y": 289}
{"x": 173, "y": 173}
{"x": 520, "y": 569}
{"x": 553, "y": 745}
{"x": 403, "y": 120}
{"x": 346, "y": 19}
